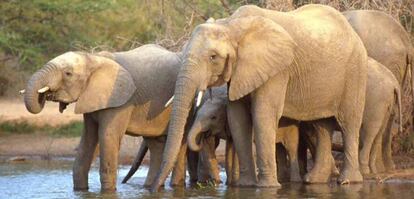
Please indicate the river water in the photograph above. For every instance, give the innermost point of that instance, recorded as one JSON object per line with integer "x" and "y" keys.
{"x": 53, "y": 179}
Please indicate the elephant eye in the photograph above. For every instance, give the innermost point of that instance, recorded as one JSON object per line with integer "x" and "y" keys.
{"x": 68, "y": 73}
{"x": 213, "y": 57}
{"x": 213, "y": 117}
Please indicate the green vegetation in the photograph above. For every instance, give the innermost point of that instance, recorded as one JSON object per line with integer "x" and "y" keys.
{"x": 73, "y": 129}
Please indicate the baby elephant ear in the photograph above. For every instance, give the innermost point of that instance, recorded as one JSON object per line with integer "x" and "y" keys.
{"x": 264, "y": 50}
{"x": 110, "y": 85}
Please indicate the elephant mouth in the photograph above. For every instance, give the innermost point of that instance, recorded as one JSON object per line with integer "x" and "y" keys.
{"x": 51, "y": 96}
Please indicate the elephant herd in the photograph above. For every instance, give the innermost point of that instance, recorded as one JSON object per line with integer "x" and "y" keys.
{"x": 272, "y": 84}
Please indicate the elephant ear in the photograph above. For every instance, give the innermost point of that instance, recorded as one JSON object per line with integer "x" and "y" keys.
{"x": 110, "y": 85}
{"x": 264, "y": 49}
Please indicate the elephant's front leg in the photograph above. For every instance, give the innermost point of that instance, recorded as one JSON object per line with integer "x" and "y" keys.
{"x": 267, "y": 108}
{"x": 85, "y": 154}
{"x": 178, "y": 173}
{"x": 239, "y": 121}
{"x": 112, "y": 127}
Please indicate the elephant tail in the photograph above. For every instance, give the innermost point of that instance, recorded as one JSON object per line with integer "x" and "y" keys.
{"x": 397, "y": 92}
{"x": 137, "y": 162}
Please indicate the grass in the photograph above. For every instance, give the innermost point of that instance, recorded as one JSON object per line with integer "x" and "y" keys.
{"x": 73, "y": 129}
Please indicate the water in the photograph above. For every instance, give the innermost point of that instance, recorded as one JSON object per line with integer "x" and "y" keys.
{"x": 53, "y": 179}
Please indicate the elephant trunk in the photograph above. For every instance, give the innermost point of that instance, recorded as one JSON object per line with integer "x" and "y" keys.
{"x": 193, "y": 136}
{"x": 33, "y": 99}
{"x": 185, "y": 90}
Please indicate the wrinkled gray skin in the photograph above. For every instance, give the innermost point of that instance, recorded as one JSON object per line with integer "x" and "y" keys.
{"x": 211, "y": 120}
{"x": 382, "y": 95}
{"x": 277, "y": 63}
{"x": 117, "y": 93}
{"x": 388, "y": 43}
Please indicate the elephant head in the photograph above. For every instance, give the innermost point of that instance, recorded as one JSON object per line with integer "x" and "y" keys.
{"x": 211, "y": 119}
{"x": 95, "y": 82}
{"x": 244, "y": 52}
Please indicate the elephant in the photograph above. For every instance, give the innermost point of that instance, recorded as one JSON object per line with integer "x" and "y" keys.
{"x": 388, "y": 43}
{"x": 385, "y": 39}
{"x": 306, "y": 64}
{"x": 117, "y": 93}
{"x": 382, "y": 94}
{"x": 211, "y": 120}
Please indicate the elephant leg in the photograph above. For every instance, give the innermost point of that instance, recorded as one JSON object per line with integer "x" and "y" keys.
{"x": 302, "y": 156}
{"x": 209, "y": 156}
{"x": 203, "y": 167}
{"x": 156, "y": 147}
{"x": 178, "y": 173}
{"x": 370, "y": 130}
{"x": 192, "y": 165}
{"x": 350, "y": 124}
{"x": 322, "y": 154}
{"x": 85, "y": 154}
{"x": 235, "y": 169}
{"x": 112, "y": 127}
{"x": 387, "y": 142}
{"x": 239, "y": 120}
{"x": 291, "y": 145}
{"x": 282, "y": 164}
{"x": 229, "y": 161}
{"x": 266, "y": 116}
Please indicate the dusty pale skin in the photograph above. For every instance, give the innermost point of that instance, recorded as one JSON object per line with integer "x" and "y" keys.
{"x": 278, "y": 64}
{"x": 117, "y": 93}
{"x": 388, "y": 43}
{"x": 382, "y": 95}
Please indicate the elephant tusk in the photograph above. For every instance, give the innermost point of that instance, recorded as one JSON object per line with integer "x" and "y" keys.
{"x": 199, "y": 97}
{"x": 22, "y": 92}
{"x": 44, "y": 89}
{"x": 169, "y": 101}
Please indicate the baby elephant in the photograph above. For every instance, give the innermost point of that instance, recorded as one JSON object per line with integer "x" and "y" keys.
{"x": 211, "y": 120}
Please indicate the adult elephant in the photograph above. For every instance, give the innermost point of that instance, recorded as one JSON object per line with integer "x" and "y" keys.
{"x": 388, "y": 43}
{"x": 305, "y": 64}
{"x": 385, "y": 39}
{"x": 117, "y": 93}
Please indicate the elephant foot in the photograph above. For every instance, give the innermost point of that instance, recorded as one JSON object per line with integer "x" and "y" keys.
{"x": 177, "y": 183}
{"x": 295, "y": 178}
{"x": 316, "y": 177}
{"x": 389, "y": 166}
{"x": 108, "y": 189}
{"x": 350, "y": 176}
{"x": 335, "y": 171}
{"x": 245, "y": 182}
{"x": 268, "y": 183}
{"x": 80, "y": 188}
{"x": 365, "y": 170}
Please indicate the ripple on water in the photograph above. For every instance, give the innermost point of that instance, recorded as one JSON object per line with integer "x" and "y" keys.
{"x": 53, "y": 179}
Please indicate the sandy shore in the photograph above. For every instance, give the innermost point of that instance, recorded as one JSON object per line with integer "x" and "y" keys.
{"x": 44, "y": 146}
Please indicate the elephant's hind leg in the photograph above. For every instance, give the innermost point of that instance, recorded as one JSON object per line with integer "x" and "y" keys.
{"x": 156, "y": 147}
{"x": 322, "y": 168}
{"x": 85, "y": 154}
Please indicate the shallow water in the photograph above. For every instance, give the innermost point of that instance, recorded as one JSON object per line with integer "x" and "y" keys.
{"x": 53, "y": 179}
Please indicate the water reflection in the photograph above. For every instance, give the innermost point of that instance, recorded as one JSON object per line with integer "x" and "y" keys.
{"x": 53, "y": 179}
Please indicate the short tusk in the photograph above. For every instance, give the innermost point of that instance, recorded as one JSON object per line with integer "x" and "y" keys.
{"x": 169, "y": 101}
{"x": 44, "y": 89}
{"x": 22, "y": 92}
{"x": 199, "y": 97}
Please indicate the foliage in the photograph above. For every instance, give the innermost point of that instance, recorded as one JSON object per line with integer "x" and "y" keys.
{"x": 73, "y": 129}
